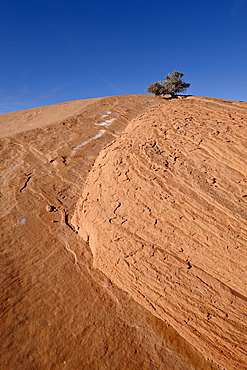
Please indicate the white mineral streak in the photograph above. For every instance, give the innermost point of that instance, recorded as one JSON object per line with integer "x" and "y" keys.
{"x": 99, "y": 134}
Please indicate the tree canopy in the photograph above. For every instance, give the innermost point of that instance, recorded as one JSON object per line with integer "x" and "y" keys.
{"x": 172, "y": 85}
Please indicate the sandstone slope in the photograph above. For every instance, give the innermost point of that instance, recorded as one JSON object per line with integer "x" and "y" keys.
{"x": 57, "y": 311}
{"x": 164, "y": 211}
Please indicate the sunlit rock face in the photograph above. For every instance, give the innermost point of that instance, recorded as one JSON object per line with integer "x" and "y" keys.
{"x": 164, "y": 211}
{"x": 57, "y": 311}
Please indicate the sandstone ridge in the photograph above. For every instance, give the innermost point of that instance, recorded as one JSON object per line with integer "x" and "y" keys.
{"x": 57, "y": 311}
{"x": 164, "y": 211}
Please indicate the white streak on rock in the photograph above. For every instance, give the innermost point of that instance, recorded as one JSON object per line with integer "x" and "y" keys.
{"x": 99, "y": 134}
{"x": 106, "y": 123}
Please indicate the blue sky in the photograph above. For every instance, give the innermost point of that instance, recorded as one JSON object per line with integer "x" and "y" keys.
{"x": 53, "y": 51}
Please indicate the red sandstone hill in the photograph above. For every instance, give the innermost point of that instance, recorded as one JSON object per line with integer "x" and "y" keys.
{"x": 57, "y": 310}
{"x": 164, "y": 211}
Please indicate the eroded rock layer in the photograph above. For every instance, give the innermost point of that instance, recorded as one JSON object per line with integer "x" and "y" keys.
{"x": 164, "y": 210}
{"x": 57, "y": 311}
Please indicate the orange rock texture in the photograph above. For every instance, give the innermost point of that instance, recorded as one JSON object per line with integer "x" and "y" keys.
{"x": 57, "y": 311}
{"x": 164, "y": 211}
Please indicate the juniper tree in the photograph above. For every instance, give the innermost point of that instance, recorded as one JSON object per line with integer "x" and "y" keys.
{"x": 156, "y": 88}
{"x": 172, "y": 85}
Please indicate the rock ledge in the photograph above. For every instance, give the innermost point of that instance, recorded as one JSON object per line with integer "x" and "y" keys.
{"x": 164, "y": 210}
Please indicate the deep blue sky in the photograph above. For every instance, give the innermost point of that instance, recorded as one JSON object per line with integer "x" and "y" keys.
{"x": 53, "y": 51}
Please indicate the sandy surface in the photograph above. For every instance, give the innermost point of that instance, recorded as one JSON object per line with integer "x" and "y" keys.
{"x": 164, "y": 210}
{"x": 57, "y": 310}
{"x": 29, "y": 119}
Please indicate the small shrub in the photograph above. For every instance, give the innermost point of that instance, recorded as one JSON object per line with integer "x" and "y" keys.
{"x": 172, "y": 85}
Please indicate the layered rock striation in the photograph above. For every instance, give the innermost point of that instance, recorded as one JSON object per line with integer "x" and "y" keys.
{"x": 164, "y": 211}
{"x": 57, "y": 311}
